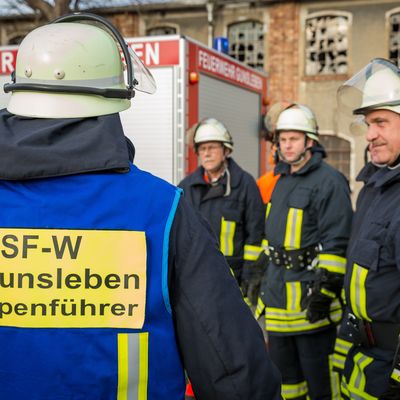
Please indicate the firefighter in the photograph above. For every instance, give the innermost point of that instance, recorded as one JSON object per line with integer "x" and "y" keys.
{"x": 228, "y": 198}
{"x": 306, "y": 230}
{"x": 368, "y": 343}
{"x": 111, "y": 284}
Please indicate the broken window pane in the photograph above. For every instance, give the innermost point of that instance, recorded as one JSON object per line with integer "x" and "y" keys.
{"x": 327, "y": 44}
{"x": 246, "y": 43}
{"x": 161, "y": 30}
{"x": 394, "y": 38}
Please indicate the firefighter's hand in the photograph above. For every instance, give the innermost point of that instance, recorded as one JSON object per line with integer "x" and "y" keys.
{"x": 252, "y": 275}
{"x": 250, "y": 292}
{"x": 251, "y": 278}
{"x": 317, "y": 306}
{"x": 392, "y": 392}
{"x": 254, "y": 271}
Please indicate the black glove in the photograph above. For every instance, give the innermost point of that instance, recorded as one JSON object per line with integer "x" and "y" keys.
{"x": 327, "y": 286}
{"x": 330, "y": 282}
{"x": 253, "y": 272}
{"x": 317, "y": 305}
{"x": 250, "y": 292}
{"x": 251, "y": 277}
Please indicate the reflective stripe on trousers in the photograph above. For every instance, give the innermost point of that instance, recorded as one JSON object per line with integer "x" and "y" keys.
{"x": 294, "y": 390}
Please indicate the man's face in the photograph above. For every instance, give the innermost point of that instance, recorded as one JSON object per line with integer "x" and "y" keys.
{"x": 291, "y": 145}
{"x": 211, "y": 155}
{"x": 383, "y": 136}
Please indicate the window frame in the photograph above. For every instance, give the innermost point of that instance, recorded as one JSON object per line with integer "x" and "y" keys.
{"x": 352, "y": 161}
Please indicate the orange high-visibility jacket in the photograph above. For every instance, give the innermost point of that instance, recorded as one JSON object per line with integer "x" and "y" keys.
{"x": 266, "y": 184}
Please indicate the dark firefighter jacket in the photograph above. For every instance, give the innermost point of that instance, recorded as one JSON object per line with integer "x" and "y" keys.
{"x": 221, "y": 346}
{"x": 372, "y": 281}
{"x": 309, "y": 209}
{"x": 236, "y": 219}
{"x": 372, "y": 287}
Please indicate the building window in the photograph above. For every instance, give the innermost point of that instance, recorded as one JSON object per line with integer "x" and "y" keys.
{"x": 246, "y": 43}
{"x": 338, "y": 152}
{"x": 162, "y": 30}
{"x": 327, "y": 43}
{"x": 394, "y": 36}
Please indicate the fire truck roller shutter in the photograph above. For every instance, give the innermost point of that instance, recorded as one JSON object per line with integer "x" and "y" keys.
{"x": 239, "y": 110}
{"x": 149, "y": 124}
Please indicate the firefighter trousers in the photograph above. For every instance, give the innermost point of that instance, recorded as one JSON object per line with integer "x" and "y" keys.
{"x": 305, "y": 362}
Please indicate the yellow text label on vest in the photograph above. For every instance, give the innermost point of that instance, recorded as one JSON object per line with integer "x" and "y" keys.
{"x": 56, "y": 278}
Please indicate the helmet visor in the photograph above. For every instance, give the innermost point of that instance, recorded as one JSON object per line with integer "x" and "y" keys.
{"x": 142, "y": 78}
{"x": 273, "y": 113}
{"x": 139, "y": 74}
{"x": 372, "y": 87}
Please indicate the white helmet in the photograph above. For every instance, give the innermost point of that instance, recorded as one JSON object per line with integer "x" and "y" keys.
{"x": 297, "y": 117}
{"x": 211, "y": 130}
{"x": 375, "y": 87}
{"x": 72, "y": 68}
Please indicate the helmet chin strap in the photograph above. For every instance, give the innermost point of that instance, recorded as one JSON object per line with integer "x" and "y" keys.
{"x": 297, "y": 161}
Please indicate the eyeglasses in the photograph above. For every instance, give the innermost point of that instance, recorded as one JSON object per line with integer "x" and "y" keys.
{"x": 211, "y": 147}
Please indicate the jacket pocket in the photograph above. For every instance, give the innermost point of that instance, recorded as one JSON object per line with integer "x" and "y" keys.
{"x": 300, "y": 198}
{"x": 231, "y": 215}
{"x": 366, "y": 254}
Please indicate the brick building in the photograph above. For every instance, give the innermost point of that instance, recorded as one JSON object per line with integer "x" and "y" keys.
{"x": 308, "y": 48}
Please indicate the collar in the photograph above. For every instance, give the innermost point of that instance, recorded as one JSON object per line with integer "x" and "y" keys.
{"x": 313, "y": 163}
{"x": 235, "y": 174}
{"x": 217, "y": 181}
{"x": 374, "y": 176}
{"x": 40, "y": 148}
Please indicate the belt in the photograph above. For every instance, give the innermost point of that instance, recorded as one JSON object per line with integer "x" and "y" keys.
{"x": 295, "y": 259}
{"x": 384, "y": 335}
